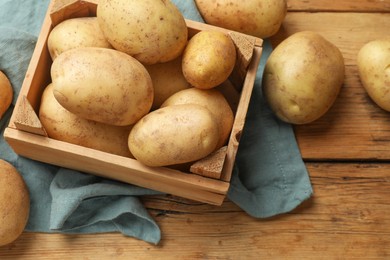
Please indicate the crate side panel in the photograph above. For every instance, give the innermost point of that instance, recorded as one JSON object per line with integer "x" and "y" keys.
{"x": 116, "y": 167}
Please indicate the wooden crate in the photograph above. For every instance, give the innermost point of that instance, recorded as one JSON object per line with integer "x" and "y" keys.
{"x": 28, "y": 138}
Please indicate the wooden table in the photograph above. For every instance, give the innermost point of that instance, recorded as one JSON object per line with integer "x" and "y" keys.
{"x": 346, "y": 152}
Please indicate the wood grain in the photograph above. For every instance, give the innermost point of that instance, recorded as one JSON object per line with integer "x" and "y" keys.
{"x": 347, "y": 217}
{"x": 339, "y": 6}
{"x": 315, "y": 5}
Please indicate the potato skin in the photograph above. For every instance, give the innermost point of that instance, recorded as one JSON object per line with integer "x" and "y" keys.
{"x": 260, "y": 18}
{"x": 302, "y": 77}
{"x": 14, "y": 203}
{"x": 6, "y": 93}
{"x": 208, "y": 59}
{"x": 174, "y": 135}
{"x": 75, "y": 33}
{"x": 103, "y": 85}
{"x": 60, "y": 124}
{"x": 167, "y": 79}
{"x": 211, "y": 99}
{"x": 373, "y": 63}
{"x": 152, "y": 31}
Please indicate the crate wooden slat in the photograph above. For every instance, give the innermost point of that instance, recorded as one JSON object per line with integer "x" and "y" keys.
{"x": 116, "y": 167}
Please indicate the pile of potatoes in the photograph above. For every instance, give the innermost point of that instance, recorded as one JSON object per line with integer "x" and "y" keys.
{"x": 130, "y": 82}
{"x": 304, "y": 74}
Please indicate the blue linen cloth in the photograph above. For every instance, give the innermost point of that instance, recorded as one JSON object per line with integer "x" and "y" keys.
{"x": 269, "y": 176}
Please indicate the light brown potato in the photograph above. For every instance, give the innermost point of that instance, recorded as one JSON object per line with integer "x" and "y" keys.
{"x": 214, "y": 101}
{"x": 60, "y": 124}
{"x": 14, "y": 203}
{"x": 75, "y": 33}
{"x": 151, "y": 31}
{"x": 373, "y": 63}
{"x": 302, "y": 77}
{"x": 260, "y": 18}
{"x": 174, "y": 135}
{"x": 103, "y": 85}
{"x": 167, "y": 79}
{"x": 6, "y": 93}
{"x": 208, "y": 59}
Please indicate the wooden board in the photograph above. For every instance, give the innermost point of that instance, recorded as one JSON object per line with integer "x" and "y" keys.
{"x": 339, "y": 6}
{"x": 347, "y": 218}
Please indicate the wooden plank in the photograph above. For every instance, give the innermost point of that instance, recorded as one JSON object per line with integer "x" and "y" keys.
{"x": 354, "y": 128}
{"x": 312, "y": 5}
{"x": 347, "y": 218}
{"x": 37, "y": 75}
{"x": 339, "y": 6}
{"x": 116, "y": 167}
{"x": 240, "y": 116}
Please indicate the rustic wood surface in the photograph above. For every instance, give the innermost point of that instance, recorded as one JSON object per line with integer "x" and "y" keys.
{"x": 339, "y": 6}
{"x": 348, "y": 216}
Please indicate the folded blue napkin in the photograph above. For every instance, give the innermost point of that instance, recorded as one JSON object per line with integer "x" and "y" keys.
{"x": 269, "y": 177}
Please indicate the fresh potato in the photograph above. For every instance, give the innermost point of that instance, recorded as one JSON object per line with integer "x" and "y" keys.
{"x": 103, "y": 85}
{"x": 208, "y": 59}
{"x": 374, "y": 70}
{"x": 260, "y": 18}
{"x": 152, "y": 31}
{"x": 75, "y": 33}
{"x": 167, "y": 79}
{"x": 174, "y": 135}
{"x": 302, "y": 77}
{"x": 214, "y": 101}
{"x": 6, "y": 93}
{"x": 14, "y": 203}
{"x": 60, "y": 124}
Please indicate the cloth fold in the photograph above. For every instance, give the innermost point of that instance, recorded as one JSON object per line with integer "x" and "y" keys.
{"x": 269, "y": 176}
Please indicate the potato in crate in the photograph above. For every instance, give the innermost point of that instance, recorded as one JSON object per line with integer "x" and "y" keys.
{"x": 104, "y": 147}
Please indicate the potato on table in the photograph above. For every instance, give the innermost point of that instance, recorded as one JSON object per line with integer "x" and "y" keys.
{"x": 6, "y": 93}
{"x": 14, "y": 203}
{"x": 303, "y": 77}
